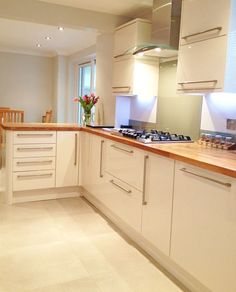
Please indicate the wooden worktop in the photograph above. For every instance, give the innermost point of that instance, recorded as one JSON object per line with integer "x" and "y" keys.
{"x": 40, "y": 127}
{"x": 217, "y": 160}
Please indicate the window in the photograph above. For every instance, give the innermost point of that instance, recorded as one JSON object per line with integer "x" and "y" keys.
{"x": 86, "y": 82}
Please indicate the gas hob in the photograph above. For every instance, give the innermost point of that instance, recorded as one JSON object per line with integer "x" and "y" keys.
{"x": 153, "y": 136}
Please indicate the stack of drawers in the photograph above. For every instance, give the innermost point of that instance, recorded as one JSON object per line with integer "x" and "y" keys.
{"x": 34, "y": 160}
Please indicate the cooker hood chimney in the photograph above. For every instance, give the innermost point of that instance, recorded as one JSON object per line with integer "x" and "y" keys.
{"x": 165, "y": 29}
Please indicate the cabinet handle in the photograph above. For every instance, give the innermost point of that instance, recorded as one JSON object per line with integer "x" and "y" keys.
{"x": 101, "y": 158}
{"x": 207, "y": 178}
{"x": 121, "y": 89}
{"x": 34, "y": 148}
{"x": 197, "y": 82}
{"x": 144, "y": 201}
{"x": 76, "y": 148}
{"x": 123, "y": 189}
{"x": 33, "y": 162}
{"x": 218, "y": 28}
{"x": 34, "y": 135}
{"x": 122, "y": 149}
{"x": 34, "y": 175}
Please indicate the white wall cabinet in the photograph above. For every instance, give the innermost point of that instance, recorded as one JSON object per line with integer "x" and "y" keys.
{"x": 157, "y": 203}
{"x": 67, "y": 159}
{"x": 207, "y": 60}
{"x": 204, "y": 226}
{"x": 133, "y": 75}
{"x": 130, "y": 35}
{"x": 209, "y": 20}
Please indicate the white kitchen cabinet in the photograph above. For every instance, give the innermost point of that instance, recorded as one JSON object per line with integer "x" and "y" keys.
{"x": 207, "y": 58}
{"x": 210, "y": 19}
{"x": 67, "y": 158}
{"x": 203, "y": 238}
{"x": 93, "y": 164}
{"x": 130, "y": 35}
{"x": 125, "y": 163}
{"x": 157, "y": 203}
{"x": 133, "y": 75}
{"x": 201, "y": 66}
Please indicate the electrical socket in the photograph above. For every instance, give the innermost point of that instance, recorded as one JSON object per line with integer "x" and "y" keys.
{"x": 231, "y": 124}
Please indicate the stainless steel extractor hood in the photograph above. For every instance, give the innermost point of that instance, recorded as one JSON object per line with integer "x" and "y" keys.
{"x": 165, "y": 30}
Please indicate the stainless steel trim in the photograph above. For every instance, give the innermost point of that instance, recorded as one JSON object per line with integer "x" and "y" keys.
{"x": 34, "y": 175}
{"x": 125, "y": 150}
{"x": 34, "y": 135}
{"x": 34, "y": 148}
{"x": 76, "y": 148}
{"x": 219, "y": 28}
{"x": 101, "y": 158}
{"x": 196, "y": 82}
{"x": 196, "y": 89}
{"x": 205, "y": 177}
{"x": 123, "y": 189}
{"x": 33, "y": 162}
{"x": 144, "y": 201}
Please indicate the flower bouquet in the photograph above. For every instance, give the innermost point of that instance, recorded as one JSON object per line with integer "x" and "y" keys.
{"x": 87, "y": 102}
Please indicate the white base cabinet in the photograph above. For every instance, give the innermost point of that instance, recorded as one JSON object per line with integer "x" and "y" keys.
{"x": 204, "y": 226}
{"x": 67, "y": 159}
{"x": 157, "y": 205}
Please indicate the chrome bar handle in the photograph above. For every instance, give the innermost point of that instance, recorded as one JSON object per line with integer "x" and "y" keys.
{"x": 33, "y": 162}
{"x": 196, "y": 82}
{"x": 228, "y": 185}
{"x": 34, "y": 175}
{"x": 144, "y": 201}
{"x": 121, "y": 89}
{"x": 34, "y": 135}
{"x": 122, "y": 149}
{"x": 123, "y": 189}
{"x": 101, "y": 158}
{"x": 218, "y": 28}
{"x": 76, "y": 148}
{"x": 34, "y": 148}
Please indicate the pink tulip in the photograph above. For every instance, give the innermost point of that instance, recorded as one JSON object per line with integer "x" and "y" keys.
{"x": 75, "y": 99}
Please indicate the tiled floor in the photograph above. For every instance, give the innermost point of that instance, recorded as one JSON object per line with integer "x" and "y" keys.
{"x": 65, "y": 246}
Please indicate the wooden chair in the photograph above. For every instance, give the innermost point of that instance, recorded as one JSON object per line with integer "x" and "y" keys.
{"x": 47, "y": 118}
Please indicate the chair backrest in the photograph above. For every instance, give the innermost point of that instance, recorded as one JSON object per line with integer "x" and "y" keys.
{"x": 11, "y": 116}
{"x": 48, "y": 117}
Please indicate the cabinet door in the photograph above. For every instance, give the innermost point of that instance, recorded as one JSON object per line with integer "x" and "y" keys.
{"x": 157, "y": 205}
{"x": 85, "y": 159}
{"x": 203, "y": 19}
{"x": 130, "y": 35}
{"x": 67, "y": 159}
{"x": 203, "y": 238}
{"x": 123, "y": 73}
{"x": 201, "y": 66}
{"x": 125, "y": 163}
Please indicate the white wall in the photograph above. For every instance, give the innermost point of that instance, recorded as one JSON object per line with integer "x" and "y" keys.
{"x": 217, "y": 108}
{"x": 105, "y": 113}
{"x": 26, "y": 82}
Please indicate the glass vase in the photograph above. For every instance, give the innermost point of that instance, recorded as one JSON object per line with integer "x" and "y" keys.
{"x": 87, "y": 119}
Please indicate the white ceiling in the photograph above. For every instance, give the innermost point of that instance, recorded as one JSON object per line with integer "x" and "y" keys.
{"x": 19, "y": 36}
{"x": 118, "y": 7}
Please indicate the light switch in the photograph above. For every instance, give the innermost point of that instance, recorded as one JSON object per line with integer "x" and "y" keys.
{"x": 231, "y": 124}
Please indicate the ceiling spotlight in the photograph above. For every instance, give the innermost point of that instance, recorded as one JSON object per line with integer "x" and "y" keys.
{"x": 157, "y": 49}
{"x": 38, "y": 45}
{"x": 141, "y": 54}
{"x": 60, "y": 28}
{"x": 48, "y": 38}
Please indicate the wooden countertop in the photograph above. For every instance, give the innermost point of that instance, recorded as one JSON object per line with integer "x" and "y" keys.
{"x": 40, "y": 127}
{"x": 217, "y": 160}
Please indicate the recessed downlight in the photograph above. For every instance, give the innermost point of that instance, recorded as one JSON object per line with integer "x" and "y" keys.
{"x": 157, "y": 49}
{"x": 61, "y": 28}
{"x": 38, "y": 45}
{"x": 48, "y": 38}
{"x": 141, "y": 54}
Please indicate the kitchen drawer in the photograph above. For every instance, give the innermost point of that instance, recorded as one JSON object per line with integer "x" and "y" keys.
{"x": 33, "y": 137}
{"x": 31, "y": 180}
{"x": 123, "y": 200}
{"x": 33, "y": 150}
{"x": 126, "y": 163}
{"x": 36, "y": 163}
